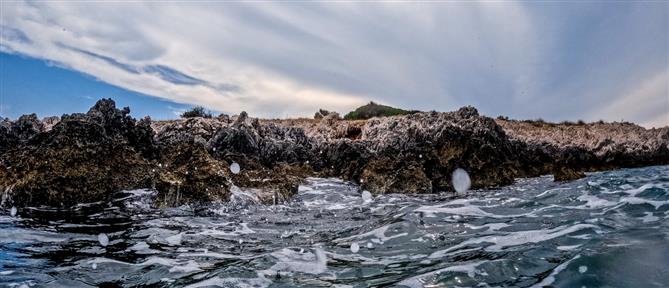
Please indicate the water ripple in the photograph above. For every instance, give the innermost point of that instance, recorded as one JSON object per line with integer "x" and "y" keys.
{"x": 609, "y": 229}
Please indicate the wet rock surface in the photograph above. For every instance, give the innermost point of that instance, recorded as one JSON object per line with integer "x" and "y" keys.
{"x": 87, "y": 157}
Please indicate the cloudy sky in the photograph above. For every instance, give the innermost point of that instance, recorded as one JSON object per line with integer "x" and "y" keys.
{"x": 557, "y": 60}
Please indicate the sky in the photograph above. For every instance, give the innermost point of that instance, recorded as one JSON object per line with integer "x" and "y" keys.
{"x": 555, "y": 60}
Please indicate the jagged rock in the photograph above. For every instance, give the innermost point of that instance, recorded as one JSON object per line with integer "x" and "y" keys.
{"x": 49, "y": 122}
{"x": 84, "y": 158}
{"x": 87, "y": 157}
{"x": 187, "y": 173}
{"x": 223, "y": 118}
{"x": 326, "y": 114}
{"x": 266, "y": 144}
{"x": 241, "y": 119}
{"x": 190, "y": 130}
{"x": 273, "y": 185}
{"x": 586, "y": 147}
{"x": 392, "y": 176}
{"x": 430, "y": 146}
{"x": 26, "y": 127}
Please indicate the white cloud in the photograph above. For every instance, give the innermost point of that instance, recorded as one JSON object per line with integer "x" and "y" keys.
{"x": 289, "y": 59}
{"x": 647, "y": 103}
{"x": 285, "y": 59}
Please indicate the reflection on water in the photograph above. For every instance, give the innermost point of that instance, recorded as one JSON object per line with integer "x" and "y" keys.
{"x": 609, "y": 229}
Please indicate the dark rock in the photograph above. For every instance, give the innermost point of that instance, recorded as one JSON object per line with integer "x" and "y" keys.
{"x": 84, "y": 158}
{"x": 26, "y": 127}
{"x": 87, "y": 157}
{"x": 241, "y": 118}
{"x": 223, "y": 118}
{"x": 50, "y": 121}
{"x": 325, "y": 113}
{"x": 187, "y": 173}
{"x": 564, "y": 173}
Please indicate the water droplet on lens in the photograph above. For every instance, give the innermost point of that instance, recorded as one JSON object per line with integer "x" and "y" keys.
{"x": 461, "y": 181}
{"x": 103, "y": 239}
{"x": 13, "y": 211}
{"x": 234, "y": 168}
{"x": 366, "y": 196}
{"x": 582, "y": 269}
{"x": 355, "y": 247}
{"x": 94, "y": 266}
{"x": 370, "y": 245}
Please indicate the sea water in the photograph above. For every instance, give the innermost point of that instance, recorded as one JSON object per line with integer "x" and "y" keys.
{"x": 610, "y": 229}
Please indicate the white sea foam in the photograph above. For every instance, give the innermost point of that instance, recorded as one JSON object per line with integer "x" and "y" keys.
{"x": 418, "y": 281}
{"x": 649, "y": 217}
{"x": 550, "y": 191}
{"x": 260, "y": 282}
{"x": 379, "y": 235}
{"x": 568, "y": 248}
{"x": 510, "y": 239}
{"x": 640, "y": 201}
{"x": 175, "y": 240}
{"x": 551, "y": 278}
{"x": 214, "y": 255}
{"x": 243, "y": 196}
{"x": 468, "y": 210}
{"x": 26, "y": 236}
{"x": 176, "y": 266}
{"x": 367, "y": 197}
{"x": 594, "y": 202}
{"x": 489, "y": 226}
{"x": 310, "y": 263}
{"x": 143, "y": 248}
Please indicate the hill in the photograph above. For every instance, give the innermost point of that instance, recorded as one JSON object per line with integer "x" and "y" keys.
{"x": 375, "y": 110}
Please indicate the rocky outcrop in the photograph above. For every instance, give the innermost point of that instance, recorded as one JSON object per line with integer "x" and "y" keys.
{"x": 556, "y": 148}
{"x": 83, "y": 158}
{"x": 87, "y": 157}
{"x": 325, "y": 113}
{"x": 416, "y": 153}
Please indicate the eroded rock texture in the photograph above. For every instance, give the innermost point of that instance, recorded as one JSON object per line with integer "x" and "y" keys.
{"x": 87, "y": 157}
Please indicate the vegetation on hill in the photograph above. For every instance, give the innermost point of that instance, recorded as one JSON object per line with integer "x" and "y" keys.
{"x": 375, "y": 110}
{"x": 197, "y": 111}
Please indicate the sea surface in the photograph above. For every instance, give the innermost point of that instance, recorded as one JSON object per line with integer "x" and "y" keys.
{"x": 610, "y": 229}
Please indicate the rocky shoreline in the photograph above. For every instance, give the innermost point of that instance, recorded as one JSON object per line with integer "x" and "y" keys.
{"x": 89, "y": 157}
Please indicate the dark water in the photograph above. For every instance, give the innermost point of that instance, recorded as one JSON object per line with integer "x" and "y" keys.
{"x": 610, "y": 229}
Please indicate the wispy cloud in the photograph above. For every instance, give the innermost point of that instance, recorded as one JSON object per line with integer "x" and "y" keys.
{"x": 176, "y": 110}
{"x": 288, "y": 59}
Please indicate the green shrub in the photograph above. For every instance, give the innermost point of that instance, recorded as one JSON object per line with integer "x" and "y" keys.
{"x": 197, "y": 111}
{"x": 375, "y": 110}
